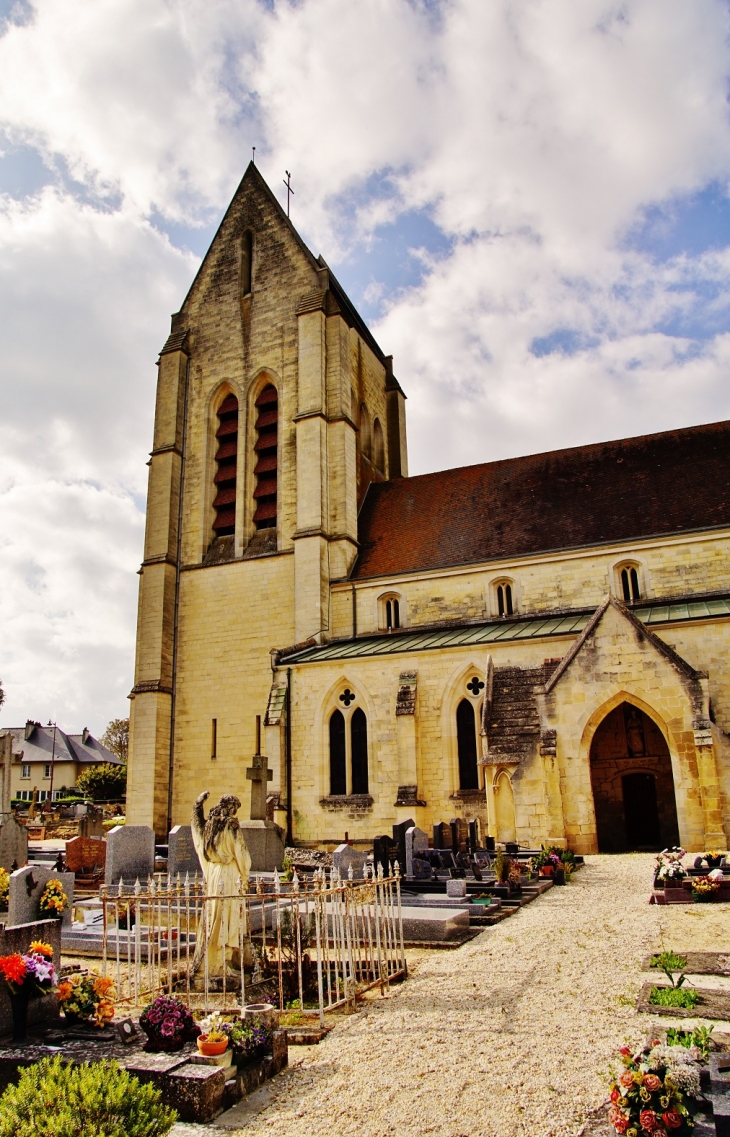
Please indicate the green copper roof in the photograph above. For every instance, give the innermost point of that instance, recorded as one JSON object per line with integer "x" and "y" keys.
{"x": 498, "y": 631}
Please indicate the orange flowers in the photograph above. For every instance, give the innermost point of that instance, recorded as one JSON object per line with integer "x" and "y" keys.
{"x": 42, "y": 948}
{"x": 12, "y": 967}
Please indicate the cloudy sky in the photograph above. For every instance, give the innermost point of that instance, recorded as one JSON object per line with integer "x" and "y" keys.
{"x": 527, "y": 199}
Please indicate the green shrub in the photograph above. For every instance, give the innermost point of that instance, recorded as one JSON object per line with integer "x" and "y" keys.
{"x": 699, "y": 1037}
{"x": 95, "y": 1100}
{"x": 669, "y": 960}
{"x": 667, "y": 997}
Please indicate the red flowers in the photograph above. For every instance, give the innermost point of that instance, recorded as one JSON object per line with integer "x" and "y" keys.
{"x": 652, "y": 1083}
{"x": 648, "y": 1119}
{"x": 672, "y": 1119}
{"x": 12, "y": 967}
{"x": 615, "y": 1095}
{"x": 625, "y": 1051}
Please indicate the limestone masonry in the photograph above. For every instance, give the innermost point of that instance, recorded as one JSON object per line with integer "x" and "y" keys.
{"x": 541, "y": 643}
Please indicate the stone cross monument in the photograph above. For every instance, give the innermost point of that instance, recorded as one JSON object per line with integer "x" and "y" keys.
{"x": 264, "y": 839}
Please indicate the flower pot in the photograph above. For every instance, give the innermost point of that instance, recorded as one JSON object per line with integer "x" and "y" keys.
{"x": 559, "y": 876}
{"x": 261, "y": 1014}
{"x": 211, "y": 1049}
{"x": 19, "y": 1006}
{"x": 714, "y": 862}
{"x": 547, "y": 870}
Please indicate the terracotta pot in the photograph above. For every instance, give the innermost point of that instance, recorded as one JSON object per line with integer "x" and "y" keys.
{"x": 211, "y": 1049}
{"x": 547, "y": 870}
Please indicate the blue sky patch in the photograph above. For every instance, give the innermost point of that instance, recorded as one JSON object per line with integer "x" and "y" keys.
{"x": 565, "y": 341}
{"x": 689, "y": 225}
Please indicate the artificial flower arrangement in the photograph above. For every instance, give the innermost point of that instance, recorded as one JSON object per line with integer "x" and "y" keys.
{"x": 53, "y": 899}
{"x": 168, "y": 1024}
{"x": 33, "y": 972}
{"x": 705, "y": 888}
{"x": 87, "y": 996}
{"x": 713, "y": 857}
{"x": 4, "y": 887}
{"x": 648, "y": 1096}
{"x": 248, "y": 1041}
{"x": 669, "y": 867}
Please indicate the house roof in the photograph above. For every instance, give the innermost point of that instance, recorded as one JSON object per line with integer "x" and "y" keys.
{"x": 38, "y": 746}
{"x": 652, "y": 485}
{"x": 500, "y": 631}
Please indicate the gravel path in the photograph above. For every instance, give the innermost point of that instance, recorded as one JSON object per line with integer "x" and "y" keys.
{"x": 510, "y": 1035}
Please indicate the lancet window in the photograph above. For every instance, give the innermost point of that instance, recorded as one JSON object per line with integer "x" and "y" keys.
{"x": 348, "y": 738}
{"x": 226, "y": 453}
{"x": 630, "y": 584}
{"x": 466, "y": 735}
{"x": 266, "y": 448}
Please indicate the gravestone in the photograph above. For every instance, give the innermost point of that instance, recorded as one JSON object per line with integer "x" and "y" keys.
{"x": 130, "y": 854}
{"x": 26, "y": 887}
{"x": 442, "y": 836}
{"x": 416, "y": 842}
{"x": 399, "y": 838}
{"x": 181, "y": 855}
{"x": 473, "y": 836}
{"x": 344, "y": 856}
{"x": 384, "y": 854}
{"x": 456, "y": 888}
{"x": 85, "y": 854}
{"x": 13, "y": 843}
{"x": 459, "y": 835}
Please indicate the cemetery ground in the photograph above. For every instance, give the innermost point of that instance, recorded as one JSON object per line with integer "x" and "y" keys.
{"x": 510, "y": 1035}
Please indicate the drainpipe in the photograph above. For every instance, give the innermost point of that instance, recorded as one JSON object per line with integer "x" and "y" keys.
{"x": 178, "y": 555}
{"x": 289, "y": 810}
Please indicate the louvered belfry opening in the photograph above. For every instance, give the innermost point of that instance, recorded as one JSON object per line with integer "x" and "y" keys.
{"x": 267, "y": 419}
{"x": 224, "y": 502}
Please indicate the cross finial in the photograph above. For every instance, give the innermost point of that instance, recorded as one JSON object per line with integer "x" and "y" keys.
{"x": 289, "y": 190}
{"x": 253, "y": 155}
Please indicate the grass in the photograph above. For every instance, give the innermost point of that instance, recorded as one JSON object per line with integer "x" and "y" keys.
{"x": 674, "y": 997}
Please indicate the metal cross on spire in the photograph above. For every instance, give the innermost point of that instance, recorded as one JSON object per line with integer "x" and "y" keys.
{"x": 289, "y": 190}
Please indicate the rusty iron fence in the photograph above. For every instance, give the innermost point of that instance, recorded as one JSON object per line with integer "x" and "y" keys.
{"x": 313, "y": 944}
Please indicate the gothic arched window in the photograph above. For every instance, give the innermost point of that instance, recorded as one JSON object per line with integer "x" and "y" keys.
{"x": 466, "y": 736}
{"x": 338, "y": 759}
{"x": 359, "y": 751}
{"x": 224, "y": 502}
{"x": 267, "y": 421}
{"x": 630, "y": 584}
{"x": 504, "y": 599}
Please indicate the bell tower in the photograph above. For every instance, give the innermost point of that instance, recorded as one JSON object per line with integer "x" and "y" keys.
{"x": 256, "y": 474}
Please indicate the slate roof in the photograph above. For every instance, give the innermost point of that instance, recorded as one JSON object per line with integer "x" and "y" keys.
{"x": 38, "y": 747}
{"x": 649, "y": 486}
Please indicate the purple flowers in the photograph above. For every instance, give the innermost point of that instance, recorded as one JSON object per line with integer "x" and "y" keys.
{"x": 168, "y": 1024}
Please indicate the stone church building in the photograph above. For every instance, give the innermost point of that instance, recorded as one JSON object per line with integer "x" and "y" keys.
{"x": 542, "y": 643}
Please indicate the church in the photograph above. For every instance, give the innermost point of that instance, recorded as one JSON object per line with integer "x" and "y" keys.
{"x": 540, "y": 643}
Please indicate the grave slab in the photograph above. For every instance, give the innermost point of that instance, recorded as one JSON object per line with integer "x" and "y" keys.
{"x": 130, "y": 854}
{"x": 43, "y": 1011}
{"x": 434, "y": 924}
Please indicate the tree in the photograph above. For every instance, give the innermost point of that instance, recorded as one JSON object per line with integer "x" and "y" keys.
{"x": 2, "y": 693}
{"x": 116, "y": 738}
{"x": 103, "y": 782}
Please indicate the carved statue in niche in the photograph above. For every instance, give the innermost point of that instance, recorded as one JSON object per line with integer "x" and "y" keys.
{"x": 635, "y": 741}
{"x": 226, "y": 864}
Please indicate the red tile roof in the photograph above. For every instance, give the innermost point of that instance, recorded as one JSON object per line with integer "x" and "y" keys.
{"x": 588, "y": 495}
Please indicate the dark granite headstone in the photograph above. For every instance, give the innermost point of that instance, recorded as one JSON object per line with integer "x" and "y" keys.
{"x": 399, "y": 839}
{"x": 181, "y": 855}
{"x": 473, "y": 836}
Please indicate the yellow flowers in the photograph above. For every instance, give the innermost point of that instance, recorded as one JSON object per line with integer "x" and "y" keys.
{"x": 4, "y": 887}
{"x": 42, "y": 948}
{"x": 53, "y": 899}
{"x": 88, "y": 995}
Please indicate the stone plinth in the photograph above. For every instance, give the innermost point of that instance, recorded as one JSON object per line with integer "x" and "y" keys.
{"x": 265, "y": 842}
{"x": 18, "y": 939}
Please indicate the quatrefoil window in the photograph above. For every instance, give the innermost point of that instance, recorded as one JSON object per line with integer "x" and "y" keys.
{"x": 347, "y": 697}
{"x": 474, "y": 685}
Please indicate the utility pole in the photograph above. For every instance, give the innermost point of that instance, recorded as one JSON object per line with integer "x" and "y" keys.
{"x": 53, "y": 761}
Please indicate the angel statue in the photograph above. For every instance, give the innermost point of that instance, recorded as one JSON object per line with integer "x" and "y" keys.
{"x": 226, "y": 863}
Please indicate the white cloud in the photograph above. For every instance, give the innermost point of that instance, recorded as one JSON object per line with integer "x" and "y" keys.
{"x": 534, "y": 134}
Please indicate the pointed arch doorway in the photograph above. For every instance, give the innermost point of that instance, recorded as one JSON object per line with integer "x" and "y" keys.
{"x": 633, "y": 786}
